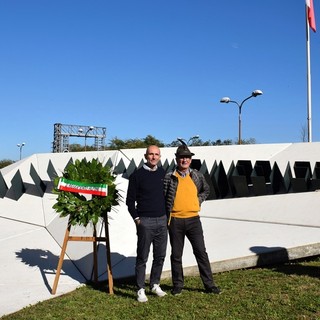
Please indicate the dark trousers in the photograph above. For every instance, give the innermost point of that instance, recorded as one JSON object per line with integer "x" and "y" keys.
{"x": 151, "y": 231}
{"x": 192, "y": 229}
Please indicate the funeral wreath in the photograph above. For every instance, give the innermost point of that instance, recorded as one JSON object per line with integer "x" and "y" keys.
{"x": 86, "y": 192}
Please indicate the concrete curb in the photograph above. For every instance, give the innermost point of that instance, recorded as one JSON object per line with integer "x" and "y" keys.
{"x": 258, "y": 260}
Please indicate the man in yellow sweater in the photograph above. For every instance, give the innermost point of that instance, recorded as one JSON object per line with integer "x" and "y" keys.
{"x": 185, "y": 189}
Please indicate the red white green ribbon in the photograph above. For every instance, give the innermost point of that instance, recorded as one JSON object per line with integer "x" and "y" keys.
{"x": 98, "y": 189}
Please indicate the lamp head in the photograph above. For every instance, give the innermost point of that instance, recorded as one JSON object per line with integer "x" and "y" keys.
{"x": 257, "y": 93}
{"x": 225, "y": 100}
{"x": 91, "y": 127}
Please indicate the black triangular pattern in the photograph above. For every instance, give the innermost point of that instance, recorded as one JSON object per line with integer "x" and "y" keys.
{"x": 109, "y": 163}
{"x": 260, "y": 178}
{"x": 120, "y": 168}
{"x": 301, "y": 181}
{"x": 263, "y": 167}
{"x": 165, "y": 165}
{"x": 204, "y": 168}
{"x": 222, "y": 181}
{"x": 287, "y": 178}
{"x": 229, "y": 177}
{"x": 195, "y": 164}
{"x": 316, "y": 171}
{"x": 315, "y": 181}
{"x": 131, "y": 168}
{"x": 3, "y": 186}
{"x": 241, "y": 181}
{"x": 40, "y": 185}
{"x": 259, "y": 184}
{"x": 302, "y": 169}
{"x": 51, "y": 171}
{"x": 212, "y": 195}
{"x": 17, "y": 186}
{"x": 141, "y": 163}
{"x": 171, "y": 166}
{"x": 276, "y": 180}
{"x": 213, "y": 169}
{"x": 244, "y": 168}
{"x": 69, "y": 162}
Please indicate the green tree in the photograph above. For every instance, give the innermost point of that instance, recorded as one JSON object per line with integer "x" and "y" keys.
{"x": 249, "y": 141}
{"x": 5, "y": 163}
{"x": 219, "y": 142}
{"x": 117, "y": 143}
{"x": 174, "y": 143}
{"x": 76, "y": 147}
{"x": 150, "y": 140}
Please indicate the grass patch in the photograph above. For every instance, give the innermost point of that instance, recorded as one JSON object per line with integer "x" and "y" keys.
{"x": 289, "y": 291}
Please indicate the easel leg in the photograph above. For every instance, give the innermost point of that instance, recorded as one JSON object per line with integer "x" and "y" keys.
{"x": 63, "y": 251}
{"x": 95, "y": 259}
{"x": 109, "y": 268}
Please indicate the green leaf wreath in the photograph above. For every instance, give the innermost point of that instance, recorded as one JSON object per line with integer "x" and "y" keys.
{"x": 80, "y": 210}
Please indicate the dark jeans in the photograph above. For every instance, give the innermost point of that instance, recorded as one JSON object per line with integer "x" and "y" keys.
{"x": 151, "y": 231}
{"x": 192, "y": 229}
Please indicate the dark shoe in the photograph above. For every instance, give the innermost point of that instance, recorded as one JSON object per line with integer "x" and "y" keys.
{"x": 176, "y": 291}
{"x": 214, "y": 290}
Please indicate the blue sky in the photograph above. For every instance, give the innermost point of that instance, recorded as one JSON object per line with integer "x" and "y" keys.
{"x": 140, "y": 67}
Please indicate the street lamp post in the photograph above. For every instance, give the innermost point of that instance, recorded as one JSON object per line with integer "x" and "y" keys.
{"x": 85, "y": 137}
{"x": 193, "y": 138}
{"x": 183, "y": 141}
{"x": 254, "y": 94}
{"x": 20, "y": 145}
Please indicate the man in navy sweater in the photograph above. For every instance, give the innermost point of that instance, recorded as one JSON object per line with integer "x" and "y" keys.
{"x": 146, "y": 204}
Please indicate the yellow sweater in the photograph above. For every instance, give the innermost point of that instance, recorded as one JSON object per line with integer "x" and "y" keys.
{"x": 186, "y": 203}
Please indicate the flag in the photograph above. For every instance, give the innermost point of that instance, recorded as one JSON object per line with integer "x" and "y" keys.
{"x": 98, "y": 189}
{"x": 310, "y": 13}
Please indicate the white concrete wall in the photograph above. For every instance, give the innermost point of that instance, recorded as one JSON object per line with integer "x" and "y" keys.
{"x": 234, "y": 228}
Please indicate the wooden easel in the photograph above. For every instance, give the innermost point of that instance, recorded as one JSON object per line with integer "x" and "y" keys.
{"x": 94, "y": 240}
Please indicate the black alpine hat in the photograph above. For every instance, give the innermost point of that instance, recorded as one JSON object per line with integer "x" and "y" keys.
{"x": 183, "y": 150}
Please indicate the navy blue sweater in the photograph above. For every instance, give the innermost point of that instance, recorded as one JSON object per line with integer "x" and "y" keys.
{"x": 145, "y": 197}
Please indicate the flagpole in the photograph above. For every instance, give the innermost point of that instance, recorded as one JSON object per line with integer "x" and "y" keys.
{"x": 308, "y": 79}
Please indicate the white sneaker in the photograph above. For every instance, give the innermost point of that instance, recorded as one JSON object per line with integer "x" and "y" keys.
{"x": 157, "y": 290}
{"x": 142, "y": 295}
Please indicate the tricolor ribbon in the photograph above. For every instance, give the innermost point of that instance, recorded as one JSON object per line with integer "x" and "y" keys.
{"x": 97, "y": 189}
